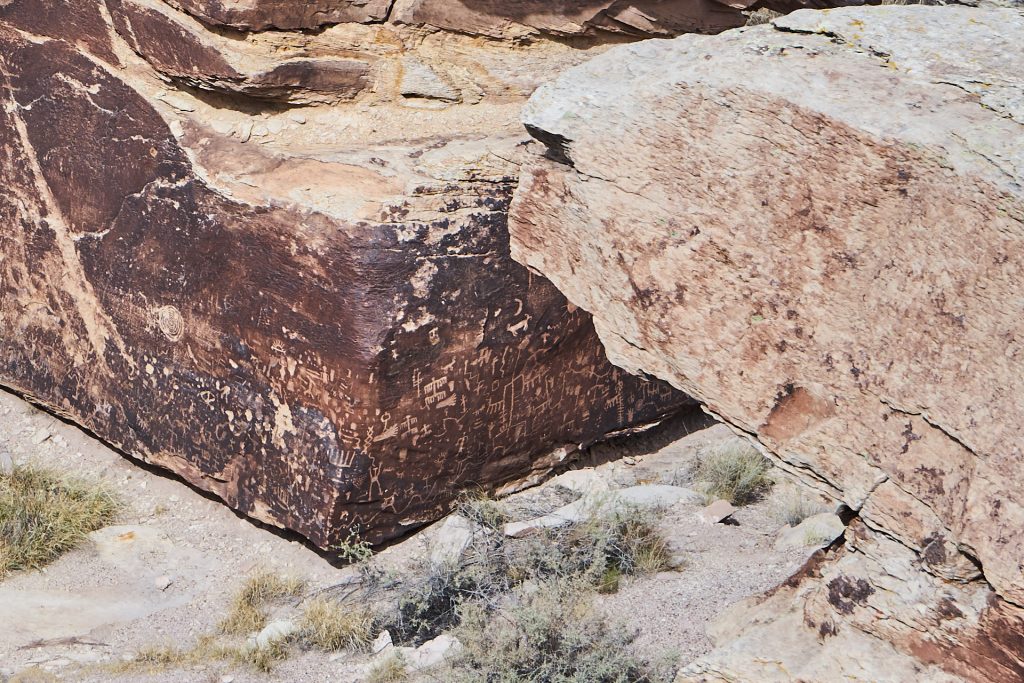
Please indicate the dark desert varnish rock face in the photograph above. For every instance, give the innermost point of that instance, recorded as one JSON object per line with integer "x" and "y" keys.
{"x": 484, "y": 17}
{"x": 317, "y": 373}
{"x": 492, "y": 18}
{"x": 258, "y": 15}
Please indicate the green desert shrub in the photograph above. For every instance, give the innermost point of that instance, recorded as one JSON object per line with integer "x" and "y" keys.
{"x": 353, "y": 548}
{"x": 550, "y": 635}
{"x": 598, "y": 552}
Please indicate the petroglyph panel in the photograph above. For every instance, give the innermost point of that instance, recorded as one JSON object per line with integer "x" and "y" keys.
{"x": 317, "y": 371}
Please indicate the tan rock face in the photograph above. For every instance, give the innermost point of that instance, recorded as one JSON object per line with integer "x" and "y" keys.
{"x": 309, "y": 311}
{"x": 817, "y": 229}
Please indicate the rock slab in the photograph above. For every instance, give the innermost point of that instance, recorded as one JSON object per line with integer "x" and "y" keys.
{"x": 816, "y": 228}
{"x": 310, "y": 313}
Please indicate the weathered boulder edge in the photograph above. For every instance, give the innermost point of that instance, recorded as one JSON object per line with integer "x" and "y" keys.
{"x": 816, "y": 228}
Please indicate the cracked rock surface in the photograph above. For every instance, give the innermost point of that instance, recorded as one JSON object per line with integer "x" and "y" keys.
{"x": 816, "y": 228}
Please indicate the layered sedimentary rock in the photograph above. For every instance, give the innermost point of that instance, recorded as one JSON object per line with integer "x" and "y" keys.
{"x": 310, "y": 312}
{"x": 816, "y": 228}
{"x": 500, "y": 19}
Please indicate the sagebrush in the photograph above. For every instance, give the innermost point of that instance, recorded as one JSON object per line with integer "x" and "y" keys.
{"x": 550, "y": 635}
{"x": 597, "y": 552}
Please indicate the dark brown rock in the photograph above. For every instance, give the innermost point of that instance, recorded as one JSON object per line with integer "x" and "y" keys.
{"x": 493, "y": 18}
{"x": 316, "y": 371}
{"x": 641, "y": 18}
{"x": 180, "y": 49}
{"x": 80, "y": 23}
{"x": 259, "y": 15}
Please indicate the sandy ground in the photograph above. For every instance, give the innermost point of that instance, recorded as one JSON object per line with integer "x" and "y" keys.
{"x": 105, "y": 601}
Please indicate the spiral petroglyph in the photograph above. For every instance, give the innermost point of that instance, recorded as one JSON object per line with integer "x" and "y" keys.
{"x": 170, "y": 322}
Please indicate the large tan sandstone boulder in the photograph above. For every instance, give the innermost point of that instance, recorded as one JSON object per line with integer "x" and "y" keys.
{"x": 816, "y": 228}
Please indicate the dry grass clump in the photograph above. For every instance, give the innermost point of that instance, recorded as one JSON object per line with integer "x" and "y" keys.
{"x": 324, "y": 624}
{"x": 158, "y": 657}
{"x": 329, "y": 626}
{"x": 33, "y": 675}
{"x": 636, "y": 545}
{"x": 43, "y": 515}
{"x": 208, "y": 649}
{"x": 263, "y": 658}
{"x": 762, "y": 16}
{"x": 247, "y": 612}
{"x": 793, "y": 507}
{"x": 482, "y": 510}
{"x": 817, "y": 537}
{"x": 391, "y": 669}
{"x": 736, "y": 472}
{"x": 550, "y": 635}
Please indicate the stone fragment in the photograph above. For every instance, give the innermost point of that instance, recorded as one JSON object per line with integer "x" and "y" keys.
{"x": 381, "y": 642}
{"x": 717, "y": 512}
{"x": 815, "y": 531}
{"x": 162, "y": 583}
{"x": 452, "y": 538}
{"x": 419, "y": 80}
{"x": 274, "y": 632}
{"x": 6, "y": 463}
{"x": 583, "y": 481}
{"x": 574, "y": 512}
{"x": 434, "y": 652}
